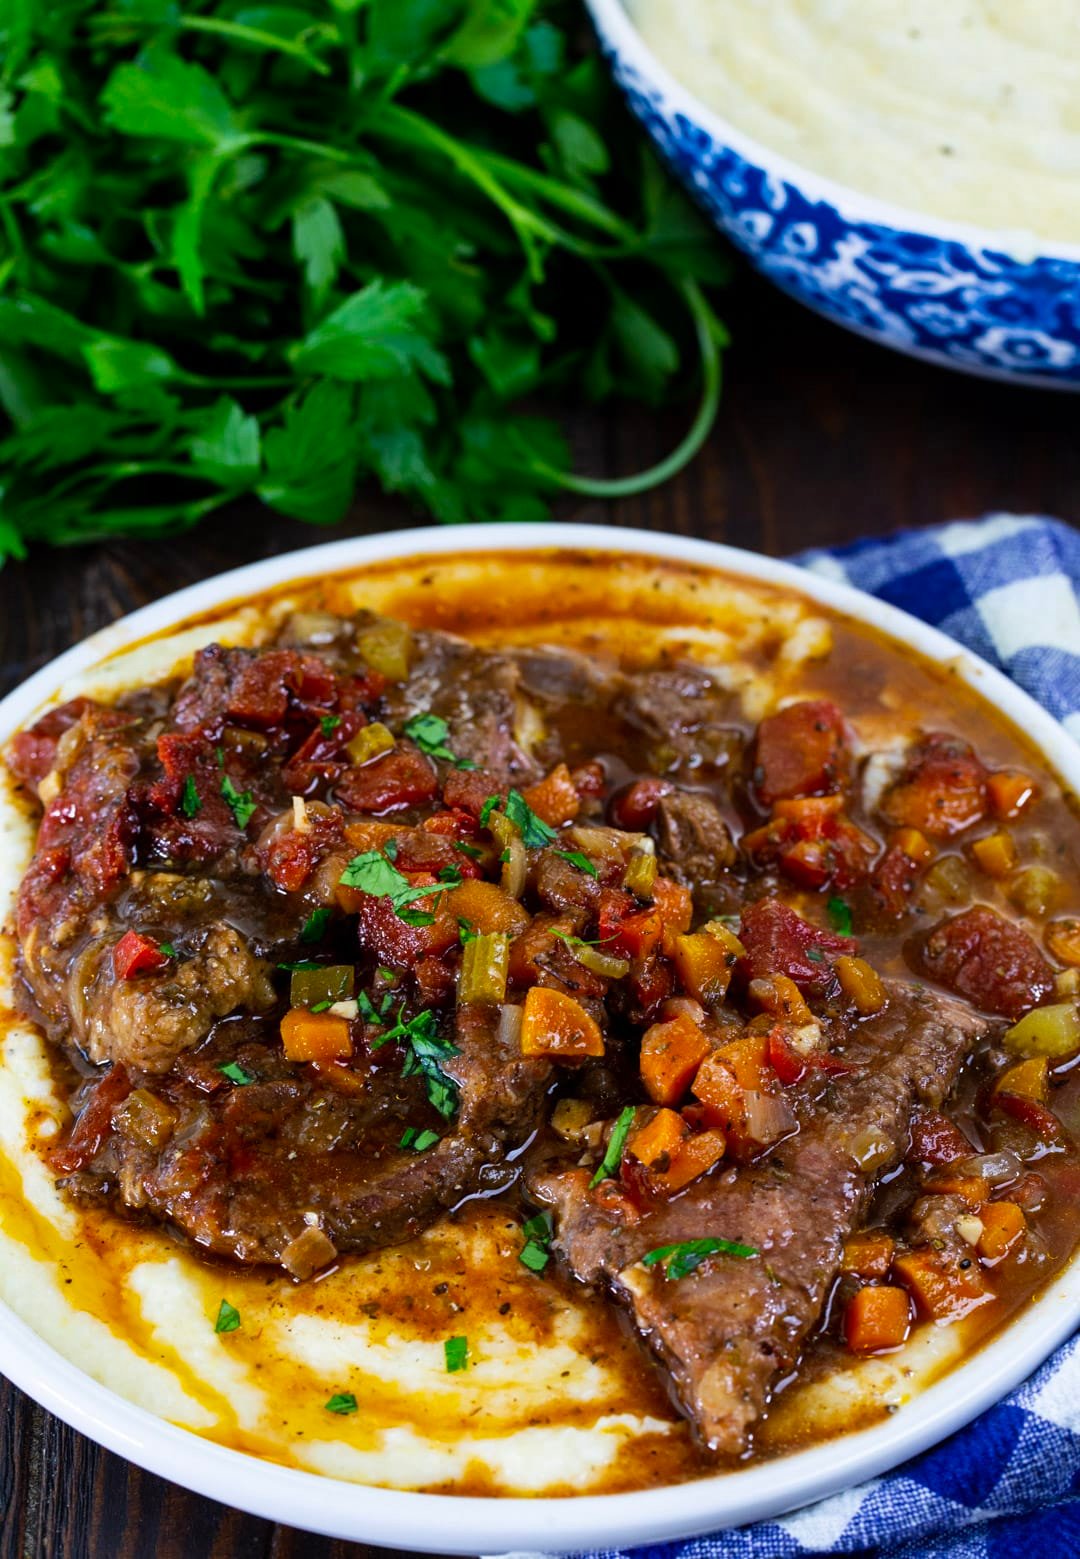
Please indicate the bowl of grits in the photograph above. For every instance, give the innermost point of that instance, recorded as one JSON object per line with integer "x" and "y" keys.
{"x": 911, "y": 172}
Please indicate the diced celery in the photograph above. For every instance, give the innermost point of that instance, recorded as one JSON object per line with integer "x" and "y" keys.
{"x": 484, "y": 965}
{"x": 1046, "y": 1031}
{"x": 328, "y": 983}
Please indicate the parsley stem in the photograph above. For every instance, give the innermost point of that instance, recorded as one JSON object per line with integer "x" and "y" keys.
{"x": 709, "y": 342}
{"x": 259, "y": 38}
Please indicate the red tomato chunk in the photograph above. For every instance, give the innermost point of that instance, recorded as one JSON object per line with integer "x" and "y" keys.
{"x": 778, "y": 941}
{"x": 989, "y": 960}
{"x": 800, "y": 751}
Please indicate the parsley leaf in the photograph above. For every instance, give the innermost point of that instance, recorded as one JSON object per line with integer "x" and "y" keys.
{"x": 372, "y": 873}
{"x": 426, "y": 1051}
{"x": 456, "y": 1351}
{"x": 533, "y": 830}
{"x": 429, "y": 732}
{"x": 236, "y": 1073}
{"x": 609, "y": 1164}
{"x": 342, "y": 1402}
{"x": 190, "y": 803}
{"x": 536, "y": 1251}
{"x": 683, "y": 1258}
{"x": 167, "y": 948}
{"x": 417, "y": 1141}
{"x": 840, "y": 915}
{"x": 314, "y": 927}
{"x": 241, "y": 802}
{"x": 582, "y": 862}
{"x": 228, "y": 1318}
{"x": 328, "y": 724}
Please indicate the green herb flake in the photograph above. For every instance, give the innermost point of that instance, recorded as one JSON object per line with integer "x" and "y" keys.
{"x": 840, "y": 915}
{"x": 536, "y": 1251}
{"x": 416, "y": 1141}
{"x": 241, "y": 802}
{"x": 321, "y": 1006}
{"x": 236, "y": 1073}
{"x": 815, "y": 955}
{"x": 328, "y": 724}
{"x": 466, "y": 933}
{"x": 456, "y": 1350}
{"x": 228, "y": 1318}
{"x": 488, "y": 808}
{"x": 190, "y": 804}
{"x": 535, "y": 833}
{"x": 429, "y": 732}
{"x": 582, "y": 862}
{"x": 426, "y": 1051}
{"x": 685, "y": 1257}
{"x": 367, "y": 1008}
{"x": 470, "y": 850}
{"x": 342, "y": 1402}
{"x": 373, "y": 873}
{"x": 609, "y": 1164}
{"x": 301, "y": 963}
{"x": 167, "y": 948}
{"x": 314, "y": 928}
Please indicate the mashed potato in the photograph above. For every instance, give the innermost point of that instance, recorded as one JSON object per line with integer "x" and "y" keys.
{"x": 967, "y": 110}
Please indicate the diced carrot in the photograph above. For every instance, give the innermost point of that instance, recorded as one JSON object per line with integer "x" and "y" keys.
{"x": 942, "y": 1289}
{"x": 674, "y": 904}
{"x": 972, "y": 1189}
{"x": 1063, "y": 940}
{"x": 635, "y": 936}
{"x": 1010, "y": 792}
{"x": 554, "y": 1025}
{"x": 861, "y": 984}
{"x": 748, "y": 1060}
{"x": 704, "y": 964}
{"x": 670, "y": 1056}
{"x": 996, "y": 853}
{"x": 554, "y": 799}
{"x": 912, "y": 843}
{"x": 1003, "y": 1224}
{"x": 659, "y": 1140}
{"x": 315, "y": 1036}
{"x": 1027, "y": 1080}
{"x": 784, "y": 1059}
{"x": 876, "y": 1319}
{"x": 718, "y": 1091}
{"x": 370, "y": 834}
{"x": 780, "y": 996}
{"x": 694, "y": 1156}
{"x": 487, "y": 908}
{"x": 870, "y": 1254}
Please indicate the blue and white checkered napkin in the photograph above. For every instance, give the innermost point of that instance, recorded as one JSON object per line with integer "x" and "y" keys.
{"x": 1008, "y": 1484}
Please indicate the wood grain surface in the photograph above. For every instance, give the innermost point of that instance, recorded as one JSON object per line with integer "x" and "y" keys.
{"x": 823, "y": 438}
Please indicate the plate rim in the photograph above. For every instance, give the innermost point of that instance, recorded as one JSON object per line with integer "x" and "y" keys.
{"x": 468, "y": 1524}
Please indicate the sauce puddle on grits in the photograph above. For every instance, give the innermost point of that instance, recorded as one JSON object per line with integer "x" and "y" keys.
{"x": 961, "y": 109}
{"x": 416, "y": 1348}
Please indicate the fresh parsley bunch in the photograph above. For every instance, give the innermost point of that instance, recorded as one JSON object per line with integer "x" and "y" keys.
{"x": 279, "y": 249}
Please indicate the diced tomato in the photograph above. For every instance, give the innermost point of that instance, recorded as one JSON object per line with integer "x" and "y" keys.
{"x": 625, "y": 930}
{"x": 813, "y": 843}
{"x": 942, "y": 789}
{"x": 589, "y": 779}
{"x": 989, "y": 960}
{"x": 400, "y": 778}
{"x": 799, "y": 751}
{"x": 634, "y": 807}
{"x": 785, "y": 1061}
{"x": 1030, "y": 1113}
{"x": 651, "y": 981}
{"x": 393, "y": 941}
{"x": 93, "y": 1124}
{"x": 778, "y": 941}
{"x": 937, "y": 1140}
{"x": 893, "y": 880}
{"x": 258, "y": 694}
{"x": 136, "y": 954}
{"x": 291, "y": 856}
{"x": 455, "y": 824}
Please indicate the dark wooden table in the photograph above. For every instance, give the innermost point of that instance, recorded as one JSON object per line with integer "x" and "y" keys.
{"x": 823, "y": 438}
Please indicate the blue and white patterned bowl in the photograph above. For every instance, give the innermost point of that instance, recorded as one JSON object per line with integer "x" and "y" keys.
{"x": 986, "y": 302}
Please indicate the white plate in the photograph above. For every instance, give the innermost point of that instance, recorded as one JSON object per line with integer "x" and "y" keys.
{"x": 441, "y": 1523}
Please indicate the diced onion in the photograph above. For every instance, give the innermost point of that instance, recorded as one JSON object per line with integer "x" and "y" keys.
{"x": 995, "y": 1168}
{"x": 768, "y": 1116}
{"x": 969, "y": 1228}
{"x": 514, "y": 868}
{"x": 871, "y": 1149}
{"x": 311, "y": 1250}
{"x": 300, "y": 821}
{"x": 509, "y": 1030}
{"x": 1053, "y": 1030}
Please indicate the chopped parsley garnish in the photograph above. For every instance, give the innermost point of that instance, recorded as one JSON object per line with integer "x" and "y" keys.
{"x": 536, "y": 1251}
{"x": 315, "y": 925}
{"x": 219, "y": 754}
{"x": 321, "y": 1006}
{"x": 815, "y": 955}
{"x": 373, "y": 873}
{"x": 450, "y": 875}
{"x": 582, "y": 862}
{"x": 328, "y": 724}
{"x": 228, "y": 1318}
{"x": 241, "y": 802}
{"x": 167, "y": 948}
{"x": 456, "y": 1350}
{"x": 682, "y": 1259}
{"x": 533, "y": 830}
{"x": 609, "y": 1164}
{"x": 429, "y": 732}
{"x": 236, "y": 1074}
{"x": 488, "y": 808}
{"x": 471, "y": 850}
{"x": 417, "y": 1141}
{"x": 466, "y": 934}
{"x": 427, "y": 1049}
{"x": 190, "y": 804}
{"x": 840, "y": 915}
{"x": 341, "y": 1402}
{"x": 301, "y": 963}
{"x": 367, "y": 1008}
